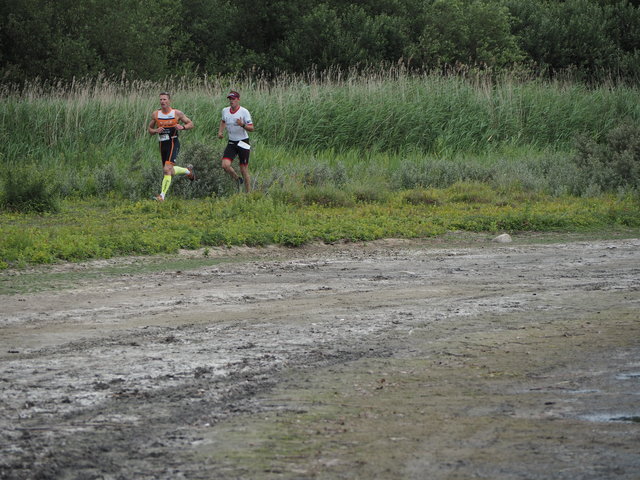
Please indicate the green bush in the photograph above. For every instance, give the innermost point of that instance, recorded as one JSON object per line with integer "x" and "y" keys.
{"x": 462, "y": 32}
{"x": 369, "y": 193}
{"x": 471, "y": 192}
{"x": 438, "y": 173}
{"x": 613, "y": 163}
{"x": 316, "y": 173}
{"x": 421, "y": 196}
{"x": 106, "y": 179}
{"x": 286, "y": 195}
{"x": 211, "y": 179}
{"x": 589, "y": 39}
{"x": 327, "y": 196}
{"x": 29, "y": 191}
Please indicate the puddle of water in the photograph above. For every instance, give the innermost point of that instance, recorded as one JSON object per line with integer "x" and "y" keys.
{"x": 607, "y": 418}
{"x": 632, "y": 419}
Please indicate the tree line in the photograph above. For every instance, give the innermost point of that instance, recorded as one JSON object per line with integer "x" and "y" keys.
{"x": 63, "y": 40}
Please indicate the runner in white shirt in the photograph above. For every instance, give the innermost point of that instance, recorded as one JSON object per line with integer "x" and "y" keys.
{"x": 237, "y": 121}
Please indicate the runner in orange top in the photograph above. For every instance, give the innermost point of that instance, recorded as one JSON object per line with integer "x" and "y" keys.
{"x": 166, "y": 122}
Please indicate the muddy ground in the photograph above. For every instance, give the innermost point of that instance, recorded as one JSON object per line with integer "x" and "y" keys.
{"x": 452, "y": 358}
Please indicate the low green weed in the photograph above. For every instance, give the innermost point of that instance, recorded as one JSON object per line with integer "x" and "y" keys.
{"x": 107, "y": 227}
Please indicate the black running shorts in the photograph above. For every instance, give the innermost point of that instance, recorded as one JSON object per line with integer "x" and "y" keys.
{"x": 232, "y": 150}
{"x": 169, "y": 150}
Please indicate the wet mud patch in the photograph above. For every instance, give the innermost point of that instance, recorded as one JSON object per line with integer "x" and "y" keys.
{"x": 491, "y": 404}
{"x": 381, "y": 360}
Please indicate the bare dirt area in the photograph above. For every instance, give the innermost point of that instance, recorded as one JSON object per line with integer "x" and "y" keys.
{"x": 425, "y": 359}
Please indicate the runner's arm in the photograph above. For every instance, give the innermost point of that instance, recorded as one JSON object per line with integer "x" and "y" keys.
{"x": 151, "y": 128}
{"x": 247, "y": 126}
{"x": 221, "y": 128}
{"x": 187, "y": 124}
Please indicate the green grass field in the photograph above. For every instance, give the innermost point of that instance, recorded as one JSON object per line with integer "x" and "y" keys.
{"x": 335, "y": 158}
{"x": 86, "y": 229}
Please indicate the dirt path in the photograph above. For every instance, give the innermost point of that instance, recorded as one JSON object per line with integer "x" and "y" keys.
{"x": 392, "y": 359}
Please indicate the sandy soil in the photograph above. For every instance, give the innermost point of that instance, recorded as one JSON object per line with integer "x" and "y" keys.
{"x": 392, "y": 359}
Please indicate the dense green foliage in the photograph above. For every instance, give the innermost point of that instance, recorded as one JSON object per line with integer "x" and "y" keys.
{"x": 67, "y": 40}
{"x": 34, "y": 193}
{"x": 373, "y": 132}
{"x": 371, "y": 156}
{"x": 612, "y": 163}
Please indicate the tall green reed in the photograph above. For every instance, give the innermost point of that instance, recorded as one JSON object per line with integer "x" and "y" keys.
{"x": 368, "y": 123}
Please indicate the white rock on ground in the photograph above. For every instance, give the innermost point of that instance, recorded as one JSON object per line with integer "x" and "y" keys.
{"x": 504, "y": 238}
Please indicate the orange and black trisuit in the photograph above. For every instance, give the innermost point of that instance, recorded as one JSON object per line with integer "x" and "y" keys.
{"x": 168, "y": 139}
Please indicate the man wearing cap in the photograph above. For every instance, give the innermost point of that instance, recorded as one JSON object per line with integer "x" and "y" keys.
{"x": 237, "y": 121}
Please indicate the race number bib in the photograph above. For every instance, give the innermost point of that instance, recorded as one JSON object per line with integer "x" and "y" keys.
{"x": 163, "y": 137}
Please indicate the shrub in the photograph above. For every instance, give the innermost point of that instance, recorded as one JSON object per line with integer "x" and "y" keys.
{"x": 29, "y": 191}
{"x": 471, "y": 192}
{"x": 437, "y": 173}
{"x": 369, "y": 193}
{"x": 211, "y": 179}
{"x": 613, "y": 163}
{"x": 421, "y": 196}
{"x": 106, "y": 180}
{"x": 327, "y": 196}
{"x": 285, "y": 195}
{"x": 320, "y": 173}
{"x": 293, "y": 238}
